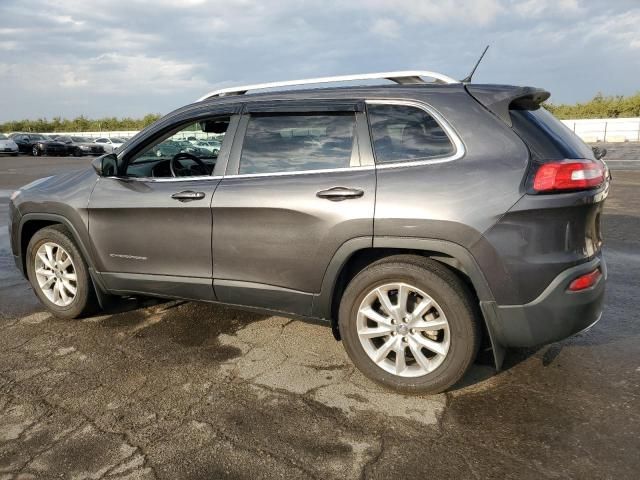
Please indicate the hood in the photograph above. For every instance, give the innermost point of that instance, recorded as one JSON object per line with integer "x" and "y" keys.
{"x": 7, "y": 143}
{"x": 54, "y": 183}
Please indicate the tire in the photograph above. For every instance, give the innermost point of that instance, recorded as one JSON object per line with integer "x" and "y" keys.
{"x": 34, "y": 151}
{"x": 84, "y": 300}
{"x": 78, "y": 152}
{"x": 451, "y": 317}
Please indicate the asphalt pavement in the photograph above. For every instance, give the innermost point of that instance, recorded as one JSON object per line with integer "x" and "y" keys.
{"x": 197, "y": 391}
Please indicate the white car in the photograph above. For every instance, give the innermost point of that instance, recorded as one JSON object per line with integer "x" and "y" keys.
{"x": 212, "y": 146}
{"x": 8, "y": 146}
{"x": 110, "y": 144}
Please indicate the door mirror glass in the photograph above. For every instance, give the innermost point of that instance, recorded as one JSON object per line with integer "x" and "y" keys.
{"x": 599, "y": 153}
{"x": 106, "y": 165}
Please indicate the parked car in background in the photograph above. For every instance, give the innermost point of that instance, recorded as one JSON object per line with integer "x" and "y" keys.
{"x": 8, "y": 146}
{"x": 110, "y": 144}
{"x": 38, "y": 144}
{"x": 212, "y": 146}
{"x": 186, "y": 146}
{"x": 79, "y": 146}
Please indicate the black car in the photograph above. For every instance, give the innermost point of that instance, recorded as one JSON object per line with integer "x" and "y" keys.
{"x": 38, "y": 144}
{"x": 420, "y": 221}
{"x": 79, "y": 146}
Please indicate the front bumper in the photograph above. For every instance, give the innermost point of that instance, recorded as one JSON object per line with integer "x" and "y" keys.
{"x": 554, "y": 315}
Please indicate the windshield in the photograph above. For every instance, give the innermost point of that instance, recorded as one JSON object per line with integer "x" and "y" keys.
{"x": 37, "y": 137}
{"x": 80, "y": 139}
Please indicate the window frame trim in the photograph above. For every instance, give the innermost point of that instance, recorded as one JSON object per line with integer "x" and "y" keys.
{"x": 455, "y": 139}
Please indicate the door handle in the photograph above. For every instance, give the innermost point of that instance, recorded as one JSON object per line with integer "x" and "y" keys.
{"x": 340, "y": 193}
{"x": 188, "y": 196}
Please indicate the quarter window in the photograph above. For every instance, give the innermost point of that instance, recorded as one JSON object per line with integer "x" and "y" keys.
{"x": 288, "y": 143}
{"x": 405, "y": 133}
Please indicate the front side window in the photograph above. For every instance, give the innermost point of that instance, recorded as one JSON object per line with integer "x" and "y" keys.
{"x": 173, "y": 155}
{"x": 290, "y": 143}
{"x": 405, "y": 133}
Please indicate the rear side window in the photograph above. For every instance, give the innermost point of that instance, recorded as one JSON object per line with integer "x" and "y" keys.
{"x": 405, "y": 133}
{"x": 288, "y": 143}
{"x": 547, "y": 137}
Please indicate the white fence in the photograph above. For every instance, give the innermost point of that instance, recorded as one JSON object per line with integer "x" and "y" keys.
{"x": 606, "y": 129}
{"x": 591, "y": 130}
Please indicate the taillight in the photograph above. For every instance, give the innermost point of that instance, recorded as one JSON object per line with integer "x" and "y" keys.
{"x": 585, "y": 281}
{"x": 569, "y": 175}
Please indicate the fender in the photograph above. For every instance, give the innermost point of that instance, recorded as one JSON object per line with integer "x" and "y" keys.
{"x": 52, "y": 217}
{"x": 464, "y": 258}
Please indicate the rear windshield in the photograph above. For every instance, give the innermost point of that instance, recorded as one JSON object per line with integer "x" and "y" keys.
{"x": 547, "y": 137}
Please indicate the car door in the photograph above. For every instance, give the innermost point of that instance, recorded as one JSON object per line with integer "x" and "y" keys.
{"x": 299, "y": 184}
{"x": 23, "y": 143}
{"x": 105, "y": 144}
{"x": 153, "y": 235}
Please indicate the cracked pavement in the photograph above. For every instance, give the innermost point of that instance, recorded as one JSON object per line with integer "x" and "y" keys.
{"x": 186, "y": 390}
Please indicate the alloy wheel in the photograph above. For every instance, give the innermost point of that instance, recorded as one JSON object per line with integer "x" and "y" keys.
{"x": 403, "y": 330}
{"x": 56, "y": 274}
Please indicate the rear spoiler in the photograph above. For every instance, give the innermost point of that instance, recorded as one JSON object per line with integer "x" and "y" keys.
{"x": 499, "y": 99}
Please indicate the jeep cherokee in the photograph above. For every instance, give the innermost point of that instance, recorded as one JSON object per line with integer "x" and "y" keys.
{"x": 415, "y": 219}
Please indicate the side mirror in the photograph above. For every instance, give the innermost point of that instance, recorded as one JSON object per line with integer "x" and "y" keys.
{"x": 599, "y": 153}
{"x": 106, "y": 165}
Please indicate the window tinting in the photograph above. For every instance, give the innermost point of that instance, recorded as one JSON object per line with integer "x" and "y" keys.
{"x": 547, "y": 137}
{"x": 287, "y": 143}
{"x": 402, "y": 133}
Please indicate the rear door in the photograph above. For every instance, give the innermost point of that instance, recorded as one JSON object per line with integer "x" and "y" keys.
{"x": 299, "y": 184}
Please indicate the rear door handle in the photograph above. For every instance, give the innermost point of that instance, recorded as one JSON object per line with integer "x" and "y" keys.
{"x": 188, "y": 195}
{"x": 340, "y": 193}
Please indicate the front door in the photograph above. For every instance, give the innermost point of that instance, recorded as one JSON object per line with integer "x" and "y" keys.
{"x": 296, "y": 189}
{"x": 151, "y": 226}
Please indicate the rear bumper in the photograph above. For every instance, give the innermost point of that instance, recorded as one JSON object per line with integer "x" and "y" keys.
{"x": 555, "y": 314}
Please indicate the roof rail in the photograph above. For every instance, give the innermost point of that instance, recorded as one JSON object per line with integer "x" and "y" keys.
{"x": 403, "y": 78}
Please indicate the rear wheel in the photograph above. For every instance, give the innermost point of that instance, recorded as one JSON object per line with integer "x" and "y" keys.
{"x": 409, "y": 323}
{"x": 59, "y": 274}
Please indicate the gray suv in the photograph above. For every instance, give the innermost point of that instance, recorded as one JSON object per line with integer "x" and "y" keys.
{"x": 421, "y": 221}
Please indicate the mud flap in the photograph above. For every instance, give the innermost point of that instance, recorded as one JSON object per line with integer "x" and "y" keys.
{"x": 490, "y": 315}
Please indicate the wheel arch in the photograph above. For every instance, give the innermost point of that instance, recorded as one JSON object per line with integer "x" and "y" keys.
{"x": 356, "y": 254}
{"x": 30, "y": 223}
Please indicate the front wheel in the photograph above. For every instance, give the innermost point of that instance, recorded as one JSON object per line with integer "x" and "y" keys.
{"x": 35, "y": 151}
{"x": 409, "y": 323}
{"x": 58, "y": 273}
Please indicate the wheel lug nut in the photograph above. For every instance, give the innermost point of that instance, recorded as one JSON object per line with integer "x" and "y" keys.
{"x": 413, "y": 330}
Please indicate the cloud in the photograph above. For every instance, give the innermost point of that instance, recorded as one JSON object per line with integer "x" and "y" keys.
{"x": 539, "y": 8}
{"x": 386, "y": 27}
{"x": 131, "y": 57}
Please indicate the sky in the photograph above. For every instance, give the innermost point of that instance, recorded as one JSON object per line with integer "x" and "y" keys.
{"x": 133, "y": 57}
